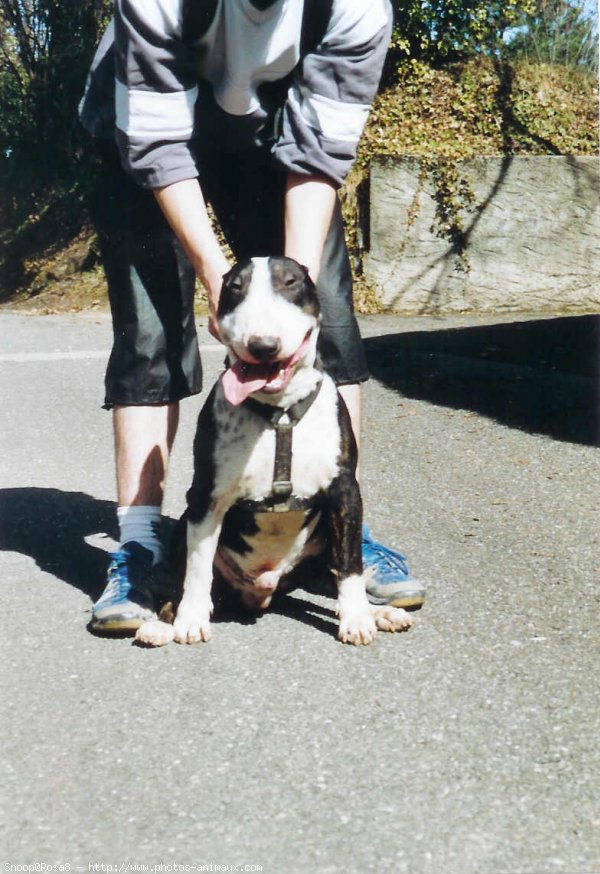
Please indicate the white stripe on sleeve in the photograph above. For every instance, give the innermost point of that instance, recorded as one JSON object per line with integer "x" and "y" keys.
{"x": 334, "y": 119}
{"x": 148, "y": 114}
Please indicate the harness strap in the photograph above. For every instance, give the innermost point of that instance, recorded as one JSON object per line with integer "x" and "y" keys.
{"x": 281, "y": 499}
{"x": 272, "y": 414}
{"x": 198, "y": 16}
{"x": 282, "y": 468}
{"x": 314, "y": 24}
{"x": 283, "y": 505}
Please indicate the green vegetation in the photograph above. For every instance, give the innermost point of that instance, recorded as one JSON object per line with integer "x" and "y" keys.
{"x": 475, "y": 107}
{"x": 442, "y": 32}
{"x": 463, "y": 78}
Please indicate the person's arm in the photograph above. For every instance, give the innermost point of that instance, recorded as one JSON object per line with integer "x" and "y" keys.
{"x": 178, "y": 202}
{"x": 309, "y": 202}
{"x": 332, "y": 90}
{"x": 156, "y": 91}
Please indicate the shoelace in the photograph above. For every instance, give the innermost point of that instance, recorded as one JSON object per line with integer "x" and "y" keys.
{"x": 382, "y": 554}
{"x": 118, "y": 575}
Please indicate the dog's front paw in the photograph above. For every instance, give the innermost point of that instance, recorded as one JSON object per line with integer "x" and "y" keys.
{"x": 154, "y": 633}
{"x": 357, "y": 628}
{"x": 392, "y": 618}
{"x": 192, "y": 630}
{"x": 357, "y": 624}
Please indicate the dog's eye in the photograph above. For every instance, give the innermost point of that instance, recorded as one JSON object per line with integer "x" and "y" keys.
{"x": 236, "y": 285}
{"x": 289, "y": 281}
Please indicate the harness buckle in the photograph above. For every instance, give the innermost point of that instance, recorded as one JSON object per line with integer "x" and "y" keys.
{"x": 282, "y": 488}
{"x": 281, "y": 491}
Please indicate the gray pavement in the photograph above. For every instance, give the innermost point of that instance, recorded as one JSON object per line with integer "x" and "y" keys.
{"x": 467, "y": 746}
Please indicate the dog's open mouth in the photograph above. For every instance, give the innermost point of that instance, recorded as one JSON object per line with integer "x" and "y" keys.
{"x": 244, "y": 378}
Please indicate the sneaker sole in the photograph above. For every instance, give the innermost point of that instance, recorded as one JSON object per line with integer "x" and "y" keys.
{"x": 123, "y": 626}
{"x": 403, "y": 601}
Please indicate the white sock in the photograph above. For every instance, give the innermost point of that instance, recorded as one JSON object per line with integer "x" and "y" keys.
{"x": 141, "y": 523}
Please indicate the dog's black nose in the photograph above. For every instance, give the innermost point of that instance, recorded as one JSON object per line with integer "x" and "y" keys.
{"x": 263, "y": 348}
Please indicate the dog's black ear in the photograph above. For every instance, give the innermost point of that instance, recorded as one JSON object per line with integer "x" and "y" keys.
{"x": 234, "y": 271}
{"x": 235, "y": 284}
{"x": 307, "y": 275}
{"x": 302, "y": 267}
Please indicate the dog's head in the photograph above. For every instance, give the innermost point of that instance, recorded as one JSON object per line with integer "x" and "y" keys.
{"x": 268, "y": 318}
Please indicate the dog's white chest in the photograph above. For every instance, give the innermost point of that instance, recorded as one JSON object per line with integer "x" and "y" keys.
{"x": 245, "y": 454}
{"x": 316, "y": 444}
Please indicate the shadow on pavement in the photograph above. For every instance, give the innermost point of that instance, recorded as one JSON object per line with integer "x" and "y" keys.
{"x": 50, "y": 526}
{"x": 540, "y": 376}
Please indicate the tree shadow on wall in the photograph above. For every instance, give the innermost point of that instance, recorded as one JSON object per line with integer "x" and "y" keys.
{"x": 540, "y": 376}
{"x": 462, "y": 217}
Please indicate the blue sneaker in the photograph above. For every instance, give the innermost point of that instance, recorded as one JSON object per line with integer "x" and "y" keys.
{"x": 391, "y": 584}
{"x": 127, "y": 601}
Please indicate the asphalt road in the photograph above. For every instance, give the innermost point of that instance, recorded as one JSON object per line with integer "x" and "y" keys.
{"x": 468, "y": 745}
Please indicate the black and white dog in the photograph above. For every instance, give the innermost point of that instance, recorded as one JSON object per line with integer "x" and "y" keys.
{"x": 274, "y": 499}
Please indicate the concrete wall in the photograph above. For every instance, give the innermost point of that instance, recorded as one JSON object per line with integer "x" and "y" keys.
{"x": 533, "y": 238}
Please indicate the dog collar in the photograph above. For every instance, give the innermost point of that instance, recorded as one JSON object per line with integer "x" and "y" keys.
{"x": 280, "y": 415}
{"x": 281, "y": 499}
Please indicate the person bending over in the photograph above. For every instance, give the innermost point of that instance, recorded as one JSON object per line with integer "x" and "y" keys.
{"x": 255, "y": 107}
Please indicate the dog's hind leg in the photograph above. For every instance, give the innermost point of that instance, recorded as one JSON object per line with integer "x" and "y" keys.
{"x": 392, "y": 618}
{"x": 158, "y": 632}
{"x": 155, "y": 632}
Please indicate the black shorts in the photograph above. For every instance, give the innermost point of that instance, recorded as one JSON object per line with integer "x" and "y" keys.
{"x": 155, "y": 358}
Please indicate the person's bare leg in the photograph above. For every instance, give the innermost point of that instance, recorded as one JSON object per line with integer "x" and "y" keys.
{"x": 391, "y": 584}
{"x": 143, "y": 440}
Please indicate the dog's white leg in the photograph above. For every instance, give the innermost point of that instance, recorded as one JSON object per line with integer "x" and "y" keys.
{"x": 392, "y": 618}
{"x": 192, "y": 623}
{"x": 357, "y": 624}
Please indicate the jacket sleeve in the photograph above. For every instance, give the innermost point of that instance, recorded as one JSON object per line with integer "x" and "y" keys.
{"x": 332, "y": 91}
{"x": 155, "y": 92}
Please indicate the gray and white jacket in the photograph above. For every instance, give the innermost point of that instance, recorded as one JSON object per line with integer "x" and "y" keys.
{"x": 246, "y": 80}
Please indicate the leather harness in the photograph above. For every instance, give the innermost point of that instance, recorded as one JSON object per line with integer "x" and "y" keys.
{"x": 281, "y": 499}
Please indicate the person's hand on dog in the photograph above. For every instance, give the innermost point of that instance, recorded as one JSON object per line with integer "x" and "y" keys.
{"x": 213, "y": 325}
{"x": 179, "y": 201}
{"x": 213, "y": 284}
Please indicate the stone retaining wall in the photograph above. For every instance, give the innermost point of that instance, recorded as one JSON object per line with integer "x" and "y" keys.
{"x": 533, "y": 237}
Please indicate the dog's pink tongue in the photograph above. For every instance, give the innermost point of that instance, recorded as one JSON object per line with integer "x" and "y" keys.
{"x": 238, "y": 382}
{"x": 242, "y": 379}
